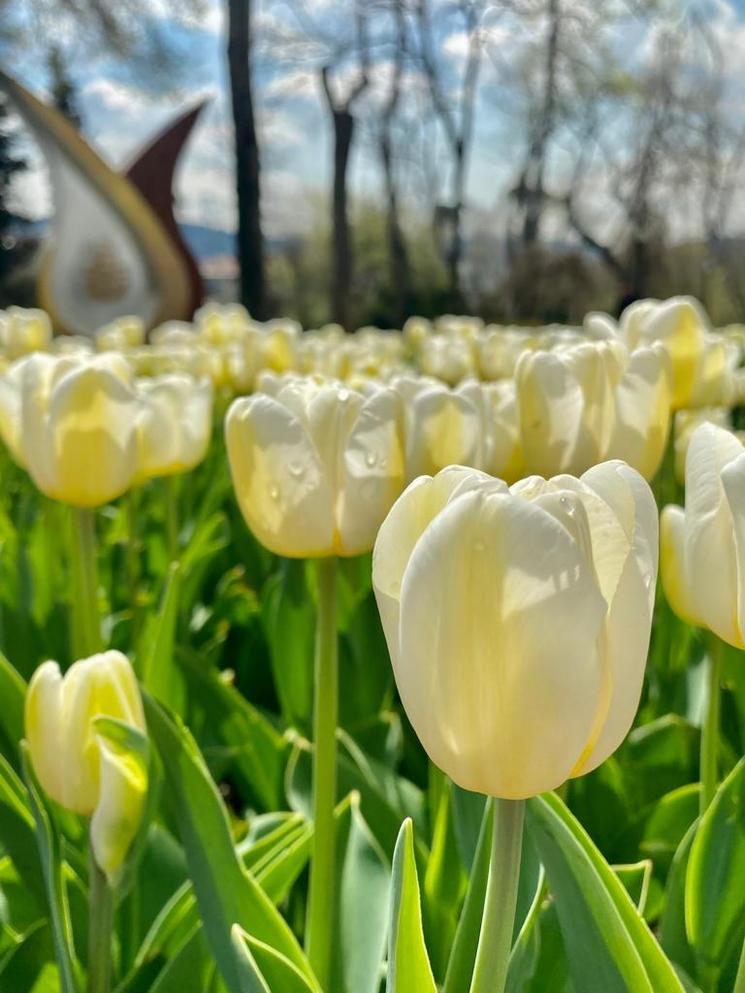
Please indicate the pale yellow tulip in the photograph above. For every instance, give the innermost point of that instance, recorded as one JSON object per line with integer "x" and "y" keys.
{"x": 77, "y": 766}
{"x": 315, "y": 467}
{"x": 518, "y": 620}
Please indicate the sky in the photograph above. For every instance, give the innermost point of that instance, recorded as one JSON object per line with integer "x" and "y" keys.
{"x": 122, "y": 107}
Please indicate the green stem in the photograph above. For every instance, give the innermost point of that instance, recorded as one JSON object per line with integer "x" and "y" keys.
{"x": 100, "y": 931}
{"x": 710, "y": 726}
{"x": 495, "y": 940}
{"x": 86, "y": 619}
{"x": 739, "y": 986}
{"x": 320, "y": 920}
{"x": 132, "y": 560}
{"x": 172, "y": 521}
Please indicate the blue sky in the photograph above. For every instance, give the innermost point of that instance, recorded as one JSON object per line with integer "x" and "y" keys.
{"x": 122, "y": 108}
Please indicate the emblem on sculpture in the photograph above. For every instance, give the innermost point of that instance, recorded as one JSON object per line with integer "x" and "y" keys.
{"x": 114, "y": 247}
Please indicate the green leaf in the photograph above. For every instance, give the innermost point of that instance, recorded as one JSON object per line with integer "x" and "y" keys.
{"x": 524, "y": 957}
{"x": 17, "y": 827}
{"x": 363, "y": 886}
{"x": 667, "y": 824}
{"x": 409, "y": 970}
{"x": 714, "y": 893}
{"x": 636, "y": 878}
{"x": 463, "y": 953}
{"x": 289, "y": 617}
{"x": 257, "y": 753}
{"x": 609, "y": 945}
{"x": 30, "y": 964}
{"x": 673, "y": 937}
{"x": 160, "y": 674}
{"x": 48, "y": 843}
{"x": 262, "y": 969}
{"x": 13, "y": 695}
{"x": 226, "y": 893}
{"x": 444, "y": 884}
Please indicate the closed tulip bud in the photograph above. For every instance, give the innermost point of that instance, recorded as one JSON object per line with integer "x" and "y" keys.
{"x": 686, "y": 422}
{"x": 703, "y": 545}
{"x": 175, "y": 423}
{"x": 450, "y": 359}
{"x": 567, "y": 400}
{"x": 518, "y": 620}
{"x": 442, "y": 426}
{"x": 78, "y": 428}
{"x": 24, "y": 330}
{"x": 121, "y": 334}
{"x": 642, "y": 411}
{"x": 315, "y": 468}
{"x": 700, "y": 361}
{"x": 77, "y": 766}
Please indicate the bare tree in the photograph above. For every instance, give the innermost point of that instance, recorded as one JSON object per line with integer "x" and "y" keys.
{"x": 457, "y": 122}
{"x": 398, "y": 256}
{"x": 343, "y": 120}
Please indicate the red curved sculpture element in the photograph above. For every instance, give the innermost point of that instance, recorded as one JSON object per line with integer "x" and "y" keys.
{"x": 152, "y": 172}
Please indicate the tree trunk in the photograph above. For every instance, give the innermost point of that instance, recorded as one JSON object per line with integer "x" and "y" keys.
{"x": 398, "y": 256}
{"x": 250, "y": 241}
{"x": 341, "y": 248}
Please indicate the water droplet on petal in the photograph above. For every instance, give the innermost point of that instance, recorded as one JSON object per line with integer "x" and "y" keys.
{"x": 274, "y": 492}
{"x": 370, "y": 459}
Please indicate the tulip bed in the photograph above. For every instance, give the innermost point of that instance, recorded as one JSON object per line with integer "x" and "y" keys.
{"x": 342, "y": 663}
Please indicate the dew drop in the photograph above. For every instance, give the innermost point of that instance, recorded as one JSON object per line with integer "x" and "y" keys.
{"x": 274, "y": 493}
{"x": 370, "y": 459}
{"x": 296, "y": 469}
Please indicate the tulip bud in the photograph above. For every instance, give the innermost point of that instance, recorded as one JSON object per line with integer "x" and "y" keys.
{"x": 121, "y": 334}
{"x": 24, "y": 330}
{"x": 78, "y": 427}
{"x": 703, "y": 545}
{"x": 175, "y": 423}
{"x": 76, "y": 765}
{"x": 315, "y": 468}
{"x": 518, "y": 620}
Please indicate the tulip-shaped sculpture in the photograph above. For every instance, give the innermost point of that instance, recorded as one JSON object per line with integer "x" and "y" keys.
{"x": 543, "y": 596}
{"x": 703, "y": 559}
{"x": 315, "y": 470}
{"x": 88, "y": 770}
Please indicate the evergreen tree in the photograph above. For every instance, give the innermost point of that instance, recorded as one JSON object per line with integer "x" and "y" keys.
{"x": 10, "y": 164}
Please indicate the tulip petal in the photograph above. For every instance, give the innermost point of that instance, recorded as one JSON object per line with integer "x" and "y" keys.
{"x": 500, "y": 622}
{"x": 43, "y": 723}
{"x": 123, "y": 785}
{"x": 409, "y": 517}
{"x": 278, "y": 478}
{"x": 710, "y": 550}
{"x": 642, "y": 418}
{"x": 674, "y": 570}
{"x": 733, "y": 481}
{"x": 372, "y": 472}
{"x": 444, "y": 429}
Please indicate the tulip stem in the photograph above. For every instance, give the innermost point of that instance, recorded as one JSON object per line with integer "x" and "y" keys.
{"x": 172, "y": 522}
{"x": 710, "y": 726}
{"x": 100, "y": 931}
{"x": 498, "y": 921}
{"x": 320, "y": 916}
{"x": 86, "y": 620}
{"x": 133, "y": 564}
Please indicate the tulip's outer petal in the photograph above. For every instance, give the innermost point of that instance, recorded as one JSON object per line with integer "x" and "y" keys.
{"x": 409, "y": 517}
{"x": 733, "y": 481}
{"x": 100, "y": 686}
{"x": 91, "y": 434}
{"x": 557, "y": 434}
{"x": 506, "y": 460}
{"x": 43, "y": 724}
{"x": 709, "y": 546}
{"x": 673, "y": 567}
{"x": 680, "y": 323}
{"x": 10, "y": 411}
{"x": 443, "y": 428}
{"x": 642, "y": 422}
{"x": 501, "y": 618}
{"x": 330, "y": 412}
{"x": 158, "y": 440}
{"x": 629, "y": 622}
{"x": 116, "y": 819}
{"x": 373, "y": 472}
{"x": 279, "y": 479}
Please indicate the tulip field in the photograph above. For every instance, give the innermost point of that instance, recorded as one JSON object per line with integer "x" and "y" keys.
{"x": 386, "y": 662}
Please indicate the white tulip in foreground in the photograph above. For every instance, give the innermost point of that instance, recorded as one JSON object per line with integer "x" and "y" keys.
{"x": 518, "y": 620}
